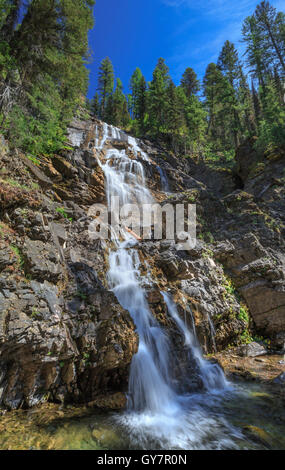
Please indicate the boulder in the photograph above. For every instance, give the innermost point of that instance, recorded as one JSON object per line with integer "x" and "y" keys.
{"x": 280, "y": 380}
{"x": 42, "y": 260}
{"x": 252, "y": 350}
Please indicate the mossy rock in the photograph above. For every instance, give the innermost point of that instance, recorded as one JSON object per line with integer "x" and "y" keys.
{"x": 257, "y": 169}
{"x": 258, "y": 435}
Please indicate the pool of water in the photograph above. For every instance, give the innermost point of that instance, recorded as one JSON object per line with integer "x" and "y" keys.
{"x": 246, "y": 417}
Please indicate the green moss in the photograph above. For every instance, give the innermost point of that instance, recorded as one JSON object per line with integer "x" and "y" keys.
{"x": 81, "y": 295}
{"x": 15, "y": 184}
{"x": 243, "y": 315}
{"x": 246, "y": 338}
{"x": 228, "y": 285}
{"x": 209, "y": 237}
{"x": 17, "y": 252}
{"x": 62, "y": 212}
{"x": 34, "y": 160}
{"x": 35, "y": 313}
{"x": 207, "y": 253}
{"x": 257, "y": 169}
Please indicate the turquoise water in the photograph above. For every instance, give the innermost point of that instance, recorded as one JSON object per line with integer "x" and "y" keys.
{"x": 246, "y": 418}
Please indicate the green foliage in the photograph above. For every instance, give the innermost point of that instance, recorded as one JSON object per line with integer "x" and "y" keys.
{"x": 37, "y": 127}
{"x": 243, "y": 315}
{"x": 246, "y": 338}
{"x": 157, "y": 99}
{"x": 189, "y": 82}
{"x": 43, "y": 80}
{"x": 271, "y": 126}
{"x": 213, "y": 90}
{"x": 62, "y": 212}
{"x": 135, "y": 86}
{"x": 17, "y": 252}
{"x": 271, "y": 29}
{"x": 95, "y": 105}
{"x": 214, "y": 158}
{"x": 228, "y": 63}
{"x": 263, "y": 34}
{"x": 229, "y": 286}
{"x": 43, "y": 73}
{"x": 196, "y": 122}
{"x": 35, "y": 313}
{"x": 117, "y": 107}
{"x": 34, "y": 160}
{"x": 105, "y": 86}
{"x": 81, "y": 295}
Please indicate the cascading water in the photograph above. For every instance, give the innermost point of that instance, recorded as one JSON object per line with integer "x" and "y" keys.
{"x": 211, "y": 374}
{"x": 158, "y": 414}
{"x": 164, "y": 180}
{"x": 212, "y": 332}
{"x": 150, "y": 386}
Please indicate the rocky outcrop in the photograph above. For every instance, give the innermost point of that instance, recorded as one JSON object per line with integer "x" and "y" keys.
{"x": 258, "y": 274}
{"x": 63, "y": 335}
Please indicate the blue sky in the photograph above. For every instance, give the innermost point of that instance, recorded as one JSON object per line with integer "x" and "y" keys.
{"x": 186, "y": 33}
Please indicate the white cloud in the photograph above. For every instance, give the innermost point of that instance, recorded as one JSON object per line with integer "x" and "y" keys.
{"x": 224, "y": 16}
{"x": 221, "y": 9}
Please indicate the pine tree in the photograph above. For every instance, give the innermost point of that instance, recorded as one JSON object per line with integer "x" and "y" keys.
{"x": 95, "y": 105}
{"x": 142, "y": 103}
{"x": 105, "y": 83}
{"x": 120, "y": 115}
{"x": 157, "y": 108}
{"x": 108, "y": 115}
{"x": 229, "y": 64}
{"x": 213, "y": 90}
{"x": 135, "y": 88}
{"x": 9, "y": 13}
{"x": 271, "y": 126}
{"x": 175, "y": 116}
{"x": 246, "y": 106}
{"x": 257, "y": 56}
{"x": 189, "y": 82}
{"x": 9, "y": 88}
{"x": 49, "y": 50}
{"x": 279, "y": 86}
{"x": 196, "y": 121}
{"x": 125, "y": 114}
{"x": 164, "y": 70}
{"x": 269, "y": 24}
{"x": 256, "y": 103}
{"x": 116, "y": 109}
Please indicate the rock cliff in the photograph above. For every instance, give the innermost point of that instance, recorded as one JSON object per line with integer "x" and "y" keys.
{"x": 63, "y": 335}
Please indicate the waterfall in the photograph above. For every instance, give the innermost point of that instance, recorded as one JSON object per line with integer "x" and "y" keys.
{"x": 211, "y": 374}
{"x": 212, "y": 332}
{"x": 164, "y": 180}
{"x": 150, "y": 382}
{"x": 157, "y": 411}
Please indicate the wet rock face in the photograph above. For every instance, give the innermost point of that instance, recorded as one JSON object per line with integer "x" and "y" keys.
{"x": 196, "y": 282}
{"x": 63, "y": 335}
